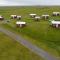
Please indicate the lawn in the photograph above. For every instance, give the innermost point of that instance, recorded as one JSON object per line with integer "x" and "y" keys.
{"x": 39, "y": 33}
{"x": 12, "y": 50}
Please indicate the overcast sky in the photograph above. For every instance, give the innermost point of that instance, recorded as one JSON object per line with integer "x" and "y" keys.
{"x": 29, "y": 2}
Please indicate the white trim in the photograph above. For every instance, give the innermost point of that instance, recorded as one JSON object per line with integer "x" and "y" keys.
{"x": 37, "y": 17}
{"x": 55, "y": 22}
{"x": 1, "y": 17}
{"x": 32, "y": 14}
{"x": 13, "y": 15}
{"x": 45, "y": 15}
{"x": 20, "y": 22}
{"x": 18, "y": 16}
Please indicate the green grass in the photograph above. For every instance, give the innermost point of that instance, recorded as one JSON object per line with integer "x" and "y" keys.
{"x": 39, "y": 33}
{"x": 12, "y": 50}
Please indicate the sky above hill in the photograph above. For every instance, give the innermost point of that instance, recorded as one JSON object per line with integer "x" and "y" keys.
{"x": 29, "y": 2}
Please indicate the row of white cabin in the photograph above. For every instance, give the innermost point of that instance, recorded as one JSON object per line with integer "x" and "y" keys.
{"x": 32, "y": 15}
{"x": 12, "y": 17}
{"x": 45, "y": 16}
{"x": 38, "y": 17}
{"x": 53, "y": 23}
{"x": 22, "y": 24}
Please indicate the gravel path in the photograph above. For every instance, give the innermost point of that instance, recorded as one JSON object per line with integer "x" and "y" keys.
{"x": 28, "y": 45}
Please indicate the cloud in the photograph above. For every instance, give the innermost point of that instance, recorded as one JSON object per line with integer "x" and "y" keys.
{"x": 8, "y": 2}
{"x": 50, "y": 2}
{"x": 2, "y": 2}
{"x": 29, "y": 2}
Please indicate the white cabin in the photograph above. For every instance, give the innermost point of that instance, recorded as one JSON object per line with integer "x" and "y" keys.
{"x": 1, "y": 17}
{"x": 56, "y": 13}
{"x": 37, "y": 18}
{"x": 55, "y": 24}
{"x": 32, "y": 15}
{"x": 13, "y": 16}
{"x": 20, "y": 24}
{"x": 19, "y": 17}
{"x": 45, "y": 16}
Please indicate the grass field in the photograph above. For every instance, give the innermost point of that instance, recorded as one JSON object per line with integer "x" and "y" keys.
{"x": 39, "y": 33}
{"x": 12, "y": 50}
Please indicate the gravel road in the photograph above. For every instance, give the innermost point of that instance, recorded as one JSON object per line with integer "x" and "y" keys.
{"x": 28, "y": 45}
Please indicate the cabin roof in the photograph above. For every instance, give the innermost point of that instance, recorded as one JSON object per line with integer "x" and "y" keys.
{"x": 37, "y": 17}
{"x": 56, "y": 12}
{"x": 13, "y": 15}
{"x": 18, "y": 16}
{"x": 45, "y": 15}
{"x": 55, "y": 22}
{"x": 32, "y": 14}
{"x": 19, "y": 22}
